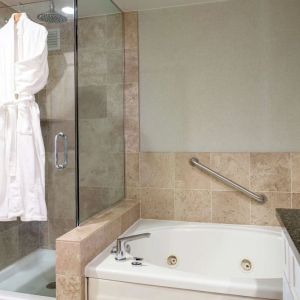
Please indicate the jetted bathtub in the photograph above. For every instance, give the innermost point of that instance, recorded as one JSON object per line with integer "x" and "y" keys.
{"x": 184, "y": 260}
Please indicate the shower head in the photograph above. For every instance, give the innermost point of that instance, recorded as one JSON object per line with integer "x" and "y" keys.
{"x": 52, "y": 16}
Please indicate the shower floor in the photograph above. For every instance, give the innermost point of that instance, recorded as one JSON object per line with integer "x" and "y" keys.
{"x": 31, "y": 274}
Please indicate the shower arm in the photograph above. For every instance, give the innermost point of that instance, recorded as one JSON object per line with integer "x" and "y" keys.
{"x": 52, "y": 5}
{"x": 260, "y": 198}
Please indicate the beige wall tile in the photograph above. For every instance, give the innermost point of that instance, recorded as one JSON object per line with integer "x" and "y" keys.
{"x": 132, "y": 193}
{"x": 189, "y": 177}
{"x": 91, "y": 247}
{"x": 89, "y": 28}
{"x": 192, "y": 205}
{"x": 130, "y": 217}
{"x": 132, "y": 169}
{"x": 69, "y": 259}
{"x": 296, "y": 200}
{"x": 265, "y": 214}
{"x": 295, "y": 157}
{"x": 157, "y": 170}
{"x": 131, "y": 30}
{"x": 69, "y": 287}
{"x": 131, "y": 88}
{"x": 9, "y": 249}
{"x": 115, "y": 66}
{"x": 58, "y": 227}
{"x": 230, "y": 208}
{"x": 157, "y": 204}
{"x": 270, "y": 172}
{"x": 97, "y": 199}
{"x": 132, "y": 137}
{"x": 113, "y": 230}
{"x": 234, "y": 166}
{"x": 114, "y": 31}
{"x": 131, "y": 66}
{"x": 79, "y": 246}
{"x": 131, "y": 100}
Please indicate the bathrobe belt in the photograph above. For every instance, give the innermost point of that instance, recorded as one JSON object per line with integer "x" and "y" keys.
{"x": 18, "y": 120}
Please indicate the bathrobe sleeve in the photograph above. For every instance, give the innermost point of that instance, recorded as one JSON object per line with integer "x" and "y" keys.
{"x": 31, "y": 71}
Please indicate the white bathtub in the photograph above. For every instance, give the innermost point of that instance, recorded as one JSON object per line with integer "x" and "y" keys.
{"x": 208, "y": 264}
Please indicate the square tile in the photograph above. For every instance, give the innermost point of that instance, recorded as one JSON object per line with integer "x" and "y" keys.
{"x": 270, "y": 172}
{"x": 265, "y": 214}
{"x": 192, "y": 205}
{"x": 189, "y": 177}
{"x": 157, "y": 170}
{"x": 157, "y": 204}
{"x": 234, "y": 166}
{"x": 230, "y": 208}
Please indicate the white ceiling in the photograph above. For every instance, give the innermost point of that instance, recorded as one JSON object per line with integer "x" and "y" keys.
{"x": 139, "y": 5}
{"x": 17, "y": 2}
{"x": 86, "y": 8}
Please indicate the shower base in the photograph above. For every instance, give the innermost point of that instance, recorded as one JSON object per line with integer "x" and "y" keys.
{"x": 29, "y": 276}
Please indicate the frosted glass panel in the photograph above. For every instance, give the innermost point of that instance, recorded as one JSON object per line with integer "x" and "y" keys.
{"x": 222, "y": 77}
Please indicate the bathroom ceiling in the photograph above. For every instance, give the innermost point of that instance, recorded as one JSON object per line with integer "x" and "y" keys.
{"x": 86, "y": 8}
{"x": 17, "y": 2}
{"x": 138, "y": 5}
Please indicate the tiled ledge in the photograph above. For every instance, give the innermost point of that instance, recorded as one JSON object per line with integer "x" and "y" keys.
{"x": 79, "y": 246}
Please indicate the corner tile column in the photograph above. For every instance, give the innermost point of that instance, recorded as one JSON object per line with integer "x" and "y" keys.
{"x": 131, "y": 103}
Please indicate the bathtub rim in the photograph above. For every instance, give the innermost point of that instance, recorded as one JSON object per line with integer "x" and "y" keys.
{"x": 154, "y": 224}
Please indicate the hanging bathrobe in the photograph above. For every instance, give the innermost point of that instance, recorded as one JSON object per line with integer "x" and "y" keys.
{"x": 23, "y": 73}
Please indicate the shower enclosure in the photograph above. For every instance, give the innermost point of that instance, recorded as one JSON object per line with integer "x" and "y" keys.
{"x": 82, "y": 124}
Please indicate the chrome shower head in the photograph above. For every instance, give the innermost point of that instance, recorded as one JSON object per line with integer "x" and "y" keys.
{"x": 52, "y": 16}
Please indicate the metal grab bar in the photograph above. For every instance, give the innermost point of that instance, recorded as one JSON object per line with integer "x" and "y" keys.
{"x": 258, "y": 197}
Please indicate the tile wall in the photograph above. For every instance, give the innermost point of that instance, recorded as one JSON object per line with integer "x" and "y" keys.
{"x": 168, "y": 187}
{"x": 101, "y": 121}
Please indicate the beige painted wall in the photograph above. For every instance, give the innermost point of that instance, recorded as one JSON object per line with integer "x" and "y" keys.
{"x": 221, "y": 77}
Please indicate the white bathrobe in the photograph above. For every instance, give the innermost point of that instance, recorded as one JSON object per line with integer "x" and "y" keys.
{"x": 23, "y": 73}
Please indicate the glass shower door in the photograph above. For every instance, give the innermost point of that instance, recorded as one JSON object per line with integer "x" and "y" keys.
{"x": 27, "y": 249}
{"x": 100, "y": 106}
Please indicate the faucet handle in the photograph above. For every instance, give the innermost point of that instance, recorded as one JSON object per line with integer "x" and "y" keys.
{"x": 114, "y": 250}
{"x": 121, "y": 244}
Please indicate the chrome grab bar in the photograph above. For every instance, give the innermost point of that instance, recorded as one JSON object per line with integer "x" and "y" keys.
{"x": 258, "y": 197}
{"x": 64, "y": 164}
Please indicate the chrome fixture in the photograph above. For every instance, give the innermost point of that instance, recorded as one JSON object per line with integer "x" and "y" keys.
{"x": 120, "y": 249}
{"x": 258, "y": 197}
{"x": 52, "y": 16}
{"x": 64, "y": 164}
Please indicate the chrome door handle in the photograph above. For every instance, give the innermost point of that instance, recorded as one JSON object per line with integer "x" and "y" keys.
{"x": 64, "y": 164}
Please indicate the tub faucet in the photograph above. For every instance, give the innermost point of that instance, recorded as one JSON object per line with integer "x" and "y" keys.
{"x": 121, "y": 243}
